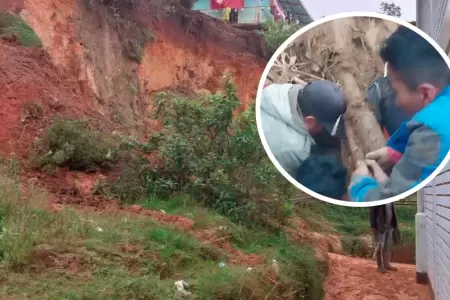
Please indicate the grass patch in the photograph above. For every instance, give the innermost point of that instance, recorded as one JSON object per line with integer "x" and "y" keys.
{"x": 13, "y": 25}
{"x": 68, "y": 255}
{"x": 73, "y": 144}
{"x": 352, "y": 220}
{"x": 353, "y": 223}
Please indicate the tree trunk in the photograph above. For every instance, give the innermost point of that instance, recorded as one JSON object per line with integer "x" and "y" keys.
{"x": 344, "y": 51}
{"x": 362, "y": 129}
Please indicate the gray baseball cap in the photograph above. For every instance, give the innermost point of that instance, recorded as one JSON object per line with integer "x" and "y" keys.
{"x": 325, "y": 101}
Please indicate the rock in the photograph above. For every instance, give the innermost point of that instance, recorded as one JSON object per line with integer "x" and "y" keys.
{"x": 136, "y": 208}
{"x": 56, "y": 208}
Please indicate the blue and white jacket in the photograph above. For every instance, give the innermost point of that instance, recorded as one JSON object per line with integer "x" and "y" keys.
{"x": 424, "y": 141}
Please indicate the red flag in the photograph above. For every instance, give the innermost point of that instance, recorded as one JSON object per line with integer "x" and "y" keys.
{"x": 219, "y": 4}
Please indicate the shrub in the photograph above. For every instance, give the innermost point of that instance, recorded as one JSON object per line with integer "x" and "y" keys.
{"x": 131, "y": 185}
{"x": 214, "y": 157}
{"x": 72, "y": 144}
{"x": 355, "y": 246}
{"x": 12, "y": 25}
{"x": 275, "y": 33}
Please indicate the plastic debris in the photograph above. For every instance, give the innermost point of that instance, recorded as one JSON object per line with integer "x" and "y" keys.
{"x": 275, "y": 266}
{"x": 222, "y": 265}
{"x": 181, "y": 286}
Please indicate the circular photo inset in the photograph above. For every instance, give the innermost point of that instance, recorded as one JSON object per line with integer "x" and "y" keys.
{"x": 354, "y": 110}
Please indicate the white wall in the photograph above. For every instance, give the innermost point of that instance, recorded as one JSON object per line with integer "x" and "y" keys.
{"x": 436, "y": 236}
{"x": 433, "y": 216}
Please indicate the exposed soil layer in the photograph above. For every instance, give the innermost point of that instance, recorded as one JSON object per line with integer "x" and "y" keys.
{"x": 185, "y": 49}
{"x": 84, "y": 73}
{"x": 31, "y": 94}
{"x": 11, "y": 5}
{"x": 357, "y": 279}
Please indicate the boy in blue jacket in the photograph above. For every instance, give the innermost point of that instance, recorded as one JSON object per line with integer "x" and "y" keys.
{"x": 421, "y": 79}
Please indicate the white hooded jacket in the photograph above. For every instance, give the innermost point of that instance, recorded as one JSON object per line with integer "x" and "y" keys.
{"x": 283, "y": 125}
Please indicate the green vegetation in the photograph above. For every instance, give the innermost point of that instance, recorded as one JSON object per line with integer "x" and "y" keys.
{"x": 206, "y": 153}
{"x": 353, "y": 224}
{"x": 88, "y": 255}
{"x": 355, "y": 246}
{"x": 276, "y": 33}
{"x": 13, "y": 25}
{"x": 73, "y": 144}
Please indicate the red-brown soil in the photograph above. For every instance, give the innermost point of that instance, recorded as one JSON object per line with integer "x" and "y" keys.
{"x": 352, "y": 278}
{"x": 81, "y": 72}
{"x": 77, "y": 74}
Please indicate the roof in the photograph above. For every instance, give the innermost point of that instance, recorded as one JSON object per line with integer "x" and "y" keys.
{"x": 297, "y": 9}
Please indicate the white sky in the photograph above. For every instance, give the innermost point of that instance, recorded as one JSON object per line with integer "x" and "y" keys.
{"x": 321, "y": 8}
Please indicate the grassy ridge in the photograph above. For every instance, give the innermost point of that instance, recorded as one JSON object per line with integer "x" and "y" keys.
{"x": 13, "y": 25}
{"x": 74, "y": 255}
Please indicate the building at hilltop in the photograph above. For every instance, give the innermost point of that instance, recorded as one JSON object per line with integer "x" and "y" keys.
{"x": 256, "y": 11}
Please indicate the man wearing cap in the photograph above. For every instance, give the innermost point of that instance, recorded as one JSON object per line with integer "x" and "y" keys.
{"x": 294, "y": 118}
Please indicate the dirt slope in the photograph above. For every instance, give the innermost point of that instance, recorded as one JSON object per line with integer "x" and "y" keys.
{"x": 352, "y": 278}
{"x": 84, "y": 71}
{"x": 188, "y": 50}
{"x": 31, "y": 94}
{"x": 84, "y": 74}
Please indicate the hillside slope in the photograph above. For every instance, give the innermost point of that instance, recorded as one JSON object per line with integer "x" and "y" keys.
{"x": 121, "y": 54}
{"x": 59, "y": 240}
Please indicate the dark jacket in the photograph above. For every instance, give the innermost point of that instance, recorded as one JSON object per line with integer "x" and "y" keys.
{"x": 324, "y": 174}
{"x": 378, "y": 218}
{"x": 381, "y": 97}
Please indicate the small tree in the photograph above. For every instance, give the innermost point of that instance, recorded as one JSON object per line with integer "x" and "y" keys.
{"x": 390, "y": 9}
{"x": 275, "y": 33}
{"x": 216, "y": 157}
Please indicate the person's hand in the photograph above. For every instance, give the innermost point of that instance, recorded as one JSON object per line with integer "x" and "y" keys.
{"x": 382, "y": 157}
{"x": 377, "y": 171}
{"x": 361, "y": 169}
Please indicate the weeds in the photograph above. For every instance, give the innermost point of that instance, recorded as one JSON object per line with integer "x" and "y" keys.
{"x": 355, "y": 246}
{"x": 131, "y": 258}
{"x": 275, "y": 33}
{"x": 12, "y": 25}
{"x": 215, "y": 158}
{"x": 131, "y": 184}
{"x": 73, "y": 144}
